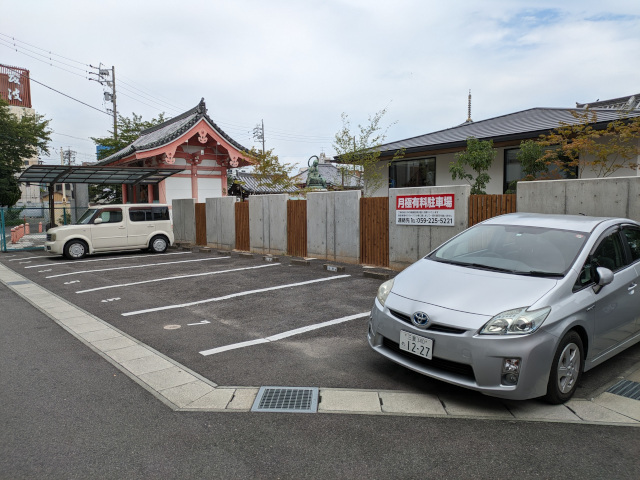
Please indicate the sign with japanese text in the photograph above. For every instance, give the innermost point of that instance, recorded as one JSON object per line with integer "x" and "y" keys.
{"x": 431, "y": 210}
{"x": 15, "y": 86}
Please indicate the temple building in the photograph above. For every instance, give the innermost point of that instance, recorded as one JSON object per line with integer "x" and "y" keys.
{"x": 191, "y": 143}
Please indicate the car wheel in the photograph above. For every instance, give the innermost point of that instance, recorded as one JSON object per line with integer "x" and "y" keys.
{"x": 158, "y": 244}
{"x": 566, "y": 369}
{"x": 75, "y": 249}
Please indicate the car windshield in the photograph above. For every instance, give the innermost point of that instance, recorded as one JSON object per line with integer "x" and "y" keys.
{"x": 86, "y": 217}
{"x": 521, "y": 250}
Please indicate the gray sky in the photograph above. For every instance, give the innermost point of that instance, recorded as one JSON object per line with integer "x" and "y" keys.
{"x": 298, "y": 64}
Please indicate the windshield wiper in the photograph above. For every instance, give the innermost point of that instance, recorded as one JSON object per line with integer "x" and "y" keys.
{"x": 536, "y": 273}
{"x": 481, "y": 266}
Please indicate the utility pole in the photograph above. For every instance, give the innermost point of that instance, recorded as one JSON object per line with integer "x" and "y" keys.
{"x": 103, "y": 79}
{"x": 258, "y": 134}
{"x": 113, "y": 99}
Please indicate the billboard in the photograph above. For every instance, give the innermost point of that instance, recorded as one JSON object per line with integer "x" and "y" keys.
{"x": 15, "y": 86}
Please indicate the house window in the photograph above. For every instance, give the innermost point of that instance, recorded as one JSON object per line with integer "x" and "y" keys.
{"x": 413, "y": 173}
{"x": 513, "y": 169}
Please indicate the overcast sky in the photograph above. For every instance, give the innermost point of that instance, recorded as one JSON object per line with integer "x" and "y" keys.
{"x": 299, "y": 64}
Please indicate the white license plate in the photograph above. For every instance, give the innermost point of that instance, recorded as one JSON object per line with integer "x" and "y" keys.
{"x": 421, "y": 346}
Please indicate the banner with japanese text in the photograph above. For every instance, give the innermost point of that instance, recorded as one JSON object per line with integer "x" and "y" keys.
{"x": 431, "y": 210}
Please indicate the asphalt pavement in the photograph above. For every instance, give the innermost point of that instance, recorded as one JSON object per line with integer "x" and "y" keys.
{"x": 69, "y": 412}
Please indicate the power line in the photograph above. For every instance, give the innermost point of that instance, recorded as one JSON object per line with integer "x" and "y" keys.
{"x": 40, "y": 60}
{"x": 50, "y": 53}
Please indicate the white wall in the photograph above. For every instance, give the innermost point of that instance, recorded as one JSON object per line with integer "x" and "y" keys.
{"x": 177, "y": 188}
{"x": 209, "y": 188}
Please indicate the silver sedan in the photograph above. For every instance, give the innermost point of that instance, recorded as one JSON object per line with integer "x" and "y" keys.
{"x": 515, "y": 307}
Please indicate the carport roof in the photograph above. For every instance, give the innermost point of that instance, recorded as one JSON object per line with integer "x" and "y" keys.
{"x": 100, "y": 175}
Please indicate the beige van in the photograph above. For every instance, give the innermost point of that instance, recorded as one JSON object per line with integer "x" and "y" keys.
{"x": 109, "y": 228}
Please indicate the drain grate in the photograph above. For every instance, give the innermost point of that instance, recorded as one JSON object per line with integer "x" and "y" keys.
{"x": 19, "y": 282}
{"x": 626, "y": 388}
{"x": 286, "y": 399}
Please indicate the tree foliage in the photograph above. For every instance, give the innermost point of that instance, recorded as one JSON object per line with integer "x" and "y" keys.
{"x": 362, "y": 149}
{"x": 601, "y": 151}
{"x": 268, "y": 171}
{"x": 478, "y": 156}
{"x": 20, "y": 139}
{"x": 129, "y": 130}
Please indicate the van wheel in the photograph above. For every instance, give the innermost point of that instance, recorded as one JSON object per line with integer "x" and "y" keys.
{"x": 75, "y": 249}
{"x": 158, "y": 244}
{"x": 565, "y": 369}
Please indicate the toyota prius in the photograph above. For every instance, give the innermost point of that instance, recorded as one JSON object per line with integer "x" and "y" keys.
{"x": 517, "y": 306}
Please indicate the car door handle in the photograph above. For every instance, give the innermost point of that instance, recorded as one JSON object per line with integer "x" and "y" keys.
{"x": 632, "y": 287}
{"x": 591, "y": 308}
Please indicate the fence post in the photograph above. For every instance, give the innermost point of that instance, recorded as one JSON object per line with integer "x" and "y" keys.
{"x": 64, "y": 215}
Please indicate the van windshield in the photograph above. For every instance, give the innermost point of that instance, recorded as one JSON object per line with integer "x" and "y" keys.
{"x": 86, "y": 217}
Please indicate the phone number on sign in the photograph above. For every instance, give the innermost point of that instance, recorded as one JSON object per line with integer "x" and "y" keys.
{"x": 424, "y": 218}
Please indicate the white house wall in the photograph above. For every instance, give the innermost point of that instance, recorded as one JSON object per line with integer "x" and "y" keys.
{"x": 209, "y": 188}
{"x": 177, "y": 188}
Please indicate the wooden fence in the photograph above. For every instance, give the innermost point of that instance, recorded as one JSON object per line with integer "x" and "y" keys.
{"x": 374, "y": 231}
{"x": 482, "y": 207}
{"x": 297, "y": 228}
{"x": 242, "y": 226}
{"x": 201, "y": 223}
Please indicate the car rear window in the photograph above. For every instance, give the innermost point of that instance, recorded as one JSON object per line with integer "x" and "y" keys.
{"x": 160, "y": 213}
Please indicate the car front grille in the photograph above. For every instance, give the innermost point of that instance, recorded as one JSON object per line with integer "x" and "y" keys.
{"x": 432, "y": 326}
{"x": 48, "y": 237}
{"x": 461, "y": 369}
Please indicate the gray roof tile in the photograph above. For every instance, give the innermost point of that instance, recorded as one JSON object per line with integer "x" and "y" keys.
{"x": 519, "y": 125}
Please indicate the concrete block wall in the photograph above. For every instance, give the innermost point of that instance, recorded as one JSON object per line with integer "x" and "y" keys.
{"x": 221, "y": 222}
{"x": 599, "y": 197}
{"x": 333, "y": 226}
{"x": 408, "y": 243}
{"x": 183, "y": 214}
{"x": 268, "y": 224}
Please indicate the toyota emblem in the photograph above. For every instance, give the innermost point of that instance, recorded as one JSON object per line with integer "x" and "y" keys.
{"x": 420, "y": 319}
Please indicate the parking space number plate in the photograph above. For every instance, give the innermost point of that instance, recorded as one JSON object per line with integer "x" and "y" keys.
{"x": 421, "y": 346}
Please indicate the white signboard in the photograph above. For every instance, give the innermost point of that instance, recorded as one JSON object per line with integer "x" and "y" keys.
{"x": 430, "y": 210}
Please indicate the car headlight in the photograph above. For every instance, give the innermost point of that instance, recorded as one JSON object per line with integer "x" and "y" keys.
{"x": 518, "y": 321}
{"x": 384, "y": 290}
{"x": 52, "y": 237}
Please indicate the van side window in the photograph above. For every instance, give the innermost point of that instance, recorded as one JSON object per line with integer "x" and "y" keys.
{"x": 140, "y": 215}
{"x": 113, "y": 215}
{"x": 160, "y": 213}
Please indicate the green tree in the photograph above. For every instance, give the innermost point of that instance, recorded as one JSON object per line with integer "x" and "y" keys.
{"x": 20, "y": 139}
{"x": 601, "y": 151}
{"x": 268, "y": 171}
{"x": 478, "y": 156}
{"x": 362, "y": 150}
{"x": 129, "y": 130}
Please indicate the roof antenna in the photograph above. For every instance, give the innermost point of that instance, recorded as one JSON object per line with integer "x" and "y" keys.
{"x": 469, "y": 109}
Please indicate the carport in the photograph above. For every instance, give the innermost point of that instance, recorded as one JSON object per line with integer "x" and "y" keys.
{"x": 51, "y": 174}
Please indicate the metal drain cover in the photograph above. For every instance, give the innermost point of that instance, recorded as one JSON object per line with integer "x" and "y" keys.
{"x": 626, "y": 388}
{"x": 286, "y": 399}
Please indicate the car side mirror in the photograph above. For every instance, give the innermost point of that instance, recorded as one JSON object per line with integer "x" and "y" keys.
{"x": 605, "y": 277}
{"x": 97, "y": 221}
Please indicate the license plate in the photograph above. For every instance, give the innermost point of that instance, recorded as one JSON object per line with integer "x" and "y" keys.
{"x": 421, "y": 346}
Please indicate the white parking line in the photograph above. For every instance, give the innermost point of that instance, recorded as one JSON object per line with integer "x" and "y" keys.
{"x": 135, "y": 266}
{"x": 177, "y": 277}
{"x": 102, "y": 259}
{"x": 280, "y": 336}
{"x": 233, "y": 295}
{"x": 25, "y": 258}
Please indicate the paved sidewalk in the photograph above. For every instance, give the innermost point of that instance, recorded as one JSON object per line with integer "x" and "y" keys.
{"x": 184, "y": 390}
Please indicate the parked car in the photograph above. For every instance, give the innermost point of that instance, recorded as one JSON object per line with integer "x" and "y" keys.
{"x": 113, "y": 227}
{"x": 515, "y": 307}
